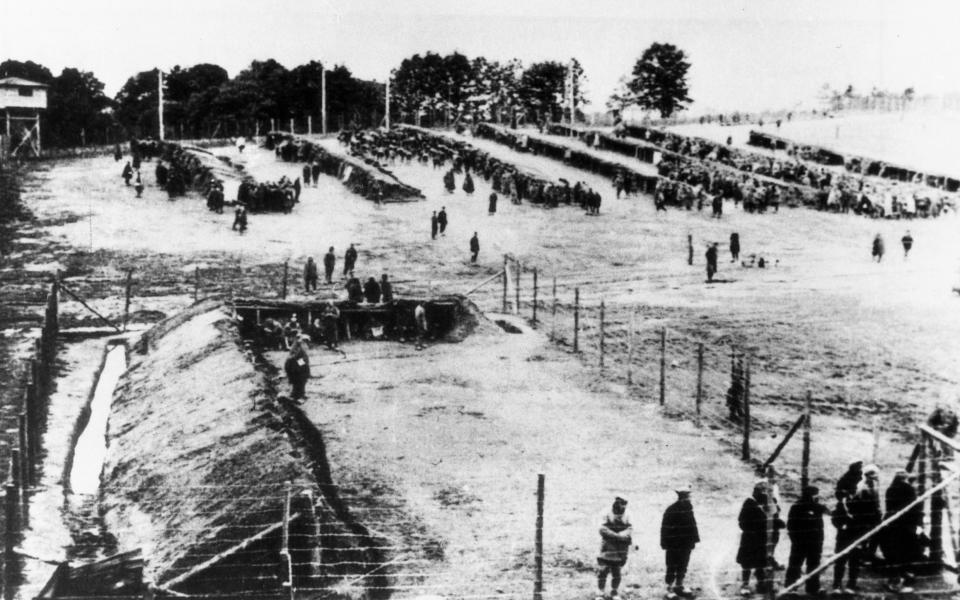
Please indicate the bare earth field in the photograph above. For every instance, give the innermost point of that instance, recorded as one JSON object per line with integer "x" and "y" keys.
{"x": 452, "y": 438}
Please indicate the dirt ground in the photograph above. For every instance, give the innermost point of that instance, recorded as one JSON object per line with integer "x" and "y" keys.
{"x": 458, "y": 433}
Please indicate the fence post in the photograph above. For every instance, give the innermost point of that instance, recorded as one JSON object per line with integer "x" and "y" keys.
{"x": 535, "y": 289}
{"x": 126, "y": 304}
{"x": 633, "y": 314}
{"x": 16, "y": 468}
{"x": 689, "y": 249}
{"x": 602, "y": 332}
{"x": 576, "y": 319}
{"x": 286, "y": 266}
{"x": 196, "y": 283}
{"x": 11, "y": 519}
{"x": 699, "y": 379}
{"x": 745, "y": 453}
{"x": 770, "y": 510}
{"x": 663, "y": 365}
{"x": 516, "y": 289}
{"x": 937, "y": 506}
{"x": 505, "y": 275}
{"x": 538, "y": 542}
{"x": 805, "y": 461}
{"x": 24, "y": 449}
{"x": 553, "y": 310}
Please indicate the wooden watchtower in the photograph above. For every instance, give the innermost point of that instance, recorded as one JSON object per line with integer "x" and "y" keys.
{"x": 21, "y": 101}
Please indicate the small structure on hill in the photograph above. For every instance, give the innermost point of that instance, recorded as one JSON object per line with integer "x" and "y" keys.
{"x": 22, "y": 101}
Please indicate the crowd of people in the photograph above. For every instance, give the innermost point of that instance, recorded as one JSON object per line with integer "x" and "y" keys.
{"x": 857, "y": 512}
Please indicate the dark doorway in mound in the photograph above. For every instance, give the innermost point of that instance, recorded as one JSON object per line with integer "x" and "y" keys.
{"x": 508, "y": 327}
{"x": 272, "y": 324}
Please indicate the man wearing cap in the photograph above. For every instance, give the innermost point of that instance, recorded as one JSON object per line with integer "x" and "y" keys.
{"x": 615, "y": 538}
{"x": 297, "y": 367}
{"x": 805, "y": 528}
{"x": 848, "y": 482}
{"x": 678, "y": 536}
{"x": 900, "y": 544}
{"x": 865, "y": 510}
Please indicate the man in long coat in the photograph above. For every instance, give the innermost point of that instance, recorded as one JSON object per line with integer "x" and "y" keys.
{"x": 678, "y": 536}
{"x": 805, "y": 527}
{"x": 752, "y": 554}
{"x": 329, "y": 262}
{"x": 900, "y": 544}
{"x": 297, "y": 367}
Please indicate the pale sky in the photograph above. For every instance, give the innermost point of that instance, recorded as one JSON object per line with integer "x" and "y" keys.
{"x": 745, "y": 54}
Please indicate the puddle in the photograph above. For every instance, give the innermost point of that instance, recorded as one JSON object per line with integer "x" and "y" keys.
{"x": 91, "y": 448}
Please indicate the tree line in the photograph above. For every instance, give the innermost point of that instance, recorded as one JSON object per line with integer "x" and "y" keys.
{"x": 429, "y": 89}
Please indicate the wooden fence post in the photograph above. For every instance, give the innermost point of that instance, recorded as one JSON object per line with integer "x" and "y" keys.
{"x": 538, "y": 542}
{"x": 771, "y": 514}
{"x": 516, "y": 289}
{"x": 602, "y": 333}
{"x": 11, "y": 519}
{"x": 286, "y": 266}
{"x": 576, "y": 319}
{"x": 805, "y": 460}
{"x": 689, "y": 249}
{"x": 126, "y": 304}
{"x": 937, "y": 505}
{"x": 535, "y": 290}
{"x": 699, "y": 379}
{"x": 506, "y": 266}
{"x": 16, "y": 468}
{"x": 26, "y": 475}
{"x": 745, "y": 452}
{"x": 553, "y": 310}
{"x": 196, "y": 283}
{"x": 663, "y": 365}
{"x": 633, "y": 326}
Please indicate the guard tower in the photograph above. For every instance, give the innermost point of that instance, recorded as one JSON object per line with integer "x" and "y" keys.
{"x": 21, "y": 101}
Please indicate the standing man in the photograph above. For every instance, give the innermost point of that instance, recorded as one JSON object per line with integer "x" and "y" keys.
{"x": 474, "y": 247}
{"x": 678, "y": 536}
{"x": 354, "y": 289}
{"x": 315, "y": 172}
{"x": 349, "y": 259}
{"x": 434, "y": 224}
{"x": 442, "y": 220}
{"x": 310, "y": 275}
{"x": 420, "y": 320}
{"x": 616, "y": 535}
{"x": 297, "y": 367}
{"x": 492, "y": 205}
{"x": 752, "y": 553}
{"x": 877, "y": 251}
{"x": 901, "y": 546}
{"x": 306, "y": 174}
{"x": 329, "y": 262}
{"x": 711, "y": 261}
{"x": 386, "y": 289}
{"x": 371, "y": 291}
{"x": 865, "y": 510}
{"x": 907, "y": 241}
{"x": 330, "y": 318}
{"x": 805, "y": 528}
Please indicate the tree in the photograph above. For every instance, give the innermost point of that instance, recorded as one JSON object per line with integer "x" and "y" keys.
{"x": 26, "y": 70}
{"x": 542, "y": 89}
{"x": 77, "y": 109}
{"x": 136, "y": 104}
{"x": 659, "y": 79}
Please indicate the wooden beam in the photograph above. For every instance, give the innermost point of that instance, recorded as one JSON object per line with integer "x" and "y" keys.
{"x": 88, "y": 307}
{"x": 226, "y": 553}
{"x": 940, "y": 437}
{"x": 783, "y": 442}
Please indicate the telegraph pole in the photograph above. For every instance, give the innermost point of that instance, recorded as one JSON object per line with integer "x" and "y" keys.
{"x": 388, "y": 103}
{"x": 323, "y": 99}
{"x": 160, "y": 100}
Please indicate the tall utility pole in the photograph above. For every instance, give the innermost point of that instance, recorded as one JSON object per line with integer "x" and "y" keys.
{"x": 160, "y": 100}
{"x": 388, "y": 104}
{"x": 323, "y": 99}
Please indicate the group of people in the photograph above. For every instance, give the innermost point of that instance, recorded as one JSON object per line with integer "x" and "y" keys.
{"x": 877, "y": 247}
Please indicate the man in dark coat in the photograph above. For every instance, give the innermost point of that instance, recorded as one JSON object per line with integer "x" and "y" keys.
{"x": 848, "y": 482}
{"x": 711, "y": 255}
{"x": 846, "y": 534}
{"x": 297, "y": 367}
{"x": 805, "y": 527}
{"x": 329, "y": 262}
{"x": 306, "y": 175}
{"x": 127, "y": 173}
{"x": 434, "y": 225}
{"x": 386, "y": 289}
{"x": 616, "y": 535}
{"x": 330, "y": 319}
{"x": 349, "y": 259}
{"x": 315, "y": 172}
{"x": 734, "y": 247}
{"x": 468, "y": 186}
{"x": 442, "y": 220}
{"x": 474, "y": 247}
{"x": 865, "y": 509}
{"x": 371, "y": 291}
{"x": 752, "y": 553}
{"x": 354, "y": 289}
{"x": 240, "y": 219}
{"x": 678, "y": 536}
{"x": 492, "y": 207}
{"x": 907, "y": 241}
{"x": 900, "y": 544}
{"x": 310, "y": 275}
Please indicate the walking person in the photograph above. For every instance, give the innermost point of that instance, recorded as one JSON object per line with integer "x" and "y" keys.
{"x": 306, "y": 175}
{"x": 310, "y": 275}
{"x": 734, "y": 247}
{"x": 492, "y": 204}
{"x": 678, "y": 536}
{"x": 315, "y": 172}
{"x": 127, "y": 173}
{"x": 900, "y": 544}
{"x": 907, "y": 241}
{"x": 434, "y": 225}
{"x": 442, "y": 220}
{"x": 329, "y": 263}
{"x": 805, "y": 528}
{"x": 850, "y": 562}
{"x": 240, "y": 219}
{"x": 752, "y": 553}
{"x": 386, "y": 289}
{"x": 349, "y": 260}
{"x": 877, "y": 251}
{"x": 468, "y": 186}
{"x": 616, "y": 535}
{"x": 474, "y": 247}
